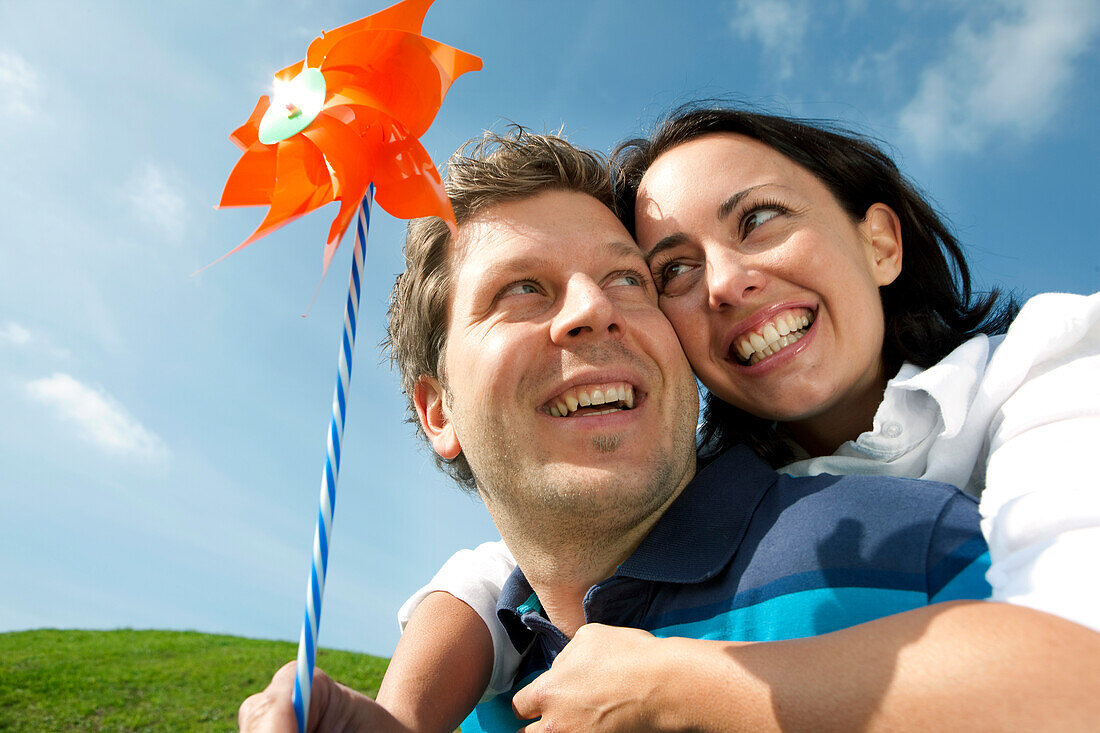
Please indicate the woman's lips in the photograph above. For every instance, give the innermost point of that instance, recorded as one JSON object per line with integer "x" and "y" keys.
{"x": 780, "y": 331}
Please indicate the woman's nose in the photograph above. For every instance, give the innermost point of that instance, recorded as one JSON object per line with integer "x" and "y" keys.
{"x": 731, "y": 279}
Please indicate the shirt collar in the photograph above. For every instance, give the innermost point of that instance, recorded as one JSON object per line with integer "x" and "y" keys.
{"x": 704, "y": 527}
{"x": 517, "y": 598}
{"x": 953, "y": 382}
{"x": 693, "y": 541}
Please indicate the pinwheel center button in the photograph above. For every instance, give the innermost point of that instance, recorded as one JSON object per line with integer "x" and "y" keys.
{"x": 296, "y": 103}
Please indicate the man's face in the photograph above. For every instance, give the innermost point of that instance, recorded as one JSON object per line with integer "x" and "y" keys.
{"x": 565, "y": 385}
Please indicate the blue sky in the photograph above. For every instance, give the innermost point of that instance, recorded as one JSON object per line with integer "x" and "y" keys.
{"x": 162, "y": 435}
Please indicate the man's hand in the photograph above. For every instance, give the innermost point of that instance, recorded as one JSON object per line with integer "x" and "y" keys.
{"x": 271, "y": 711}
{"x": 606, "y": 679}
{"x": 332, "y": 707}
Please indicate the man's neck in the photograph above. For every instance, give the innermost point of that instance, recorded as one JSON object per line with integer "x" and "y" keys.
{"x": 562, "y": 566}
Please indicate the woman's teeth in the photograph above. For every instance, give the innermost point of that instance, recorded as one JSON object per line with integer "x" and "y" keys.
{"x": 783, "y": 331}
{"x": 618, "y": 396}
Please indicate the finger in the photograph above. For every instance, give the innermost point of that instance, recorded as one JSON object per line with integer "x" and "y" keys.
{"x": 527, "y": 703}
{"x": 284, "y": 678}
{"x": 270, "y": 710}
{"x": 266, "y": 713}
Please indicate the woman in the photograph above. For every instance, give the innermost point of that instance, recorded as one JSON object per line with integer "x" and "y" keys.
{"x": 827, "y": 309}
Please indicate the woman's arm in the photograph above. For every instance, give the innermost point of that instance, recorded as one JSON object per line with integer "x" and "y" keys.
{"x": 1041, "y": 503}
{"x": 953, "y": 666}
{"x": 452, "y": 651}
{"x": 440, "y": 668}
{"x": 475, "y": 577}
{"x": 437, "y": 674}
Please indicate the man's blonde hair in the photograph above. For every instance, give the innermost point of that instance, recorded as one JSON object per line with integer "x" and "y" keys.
{"x": 486, "y": 171}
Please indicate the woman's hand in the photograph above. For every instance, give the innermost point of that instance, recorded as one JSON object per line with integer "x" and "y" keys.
{"x": 606, "y": 679}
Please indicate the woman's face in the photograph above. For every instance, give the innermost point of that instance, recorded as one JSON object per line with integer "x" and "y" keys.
{"x": 771, "y": 287}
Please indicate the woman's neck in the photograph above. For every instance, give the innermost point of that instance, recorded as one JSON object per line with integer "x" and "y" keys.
{"x": 823, "y": 433}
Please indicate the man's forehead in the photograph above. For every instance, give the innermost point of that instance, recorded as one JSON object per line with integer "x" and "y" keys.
{"x": 494, "y": 258}
{"x": 520, "y": 233}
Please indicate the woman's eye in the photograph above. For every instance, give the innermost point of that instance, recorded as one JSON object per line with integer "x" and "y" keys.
{"x": 672, "y": 270}
{"x": 672, "y": 278}
{"x": 756, "y": 218}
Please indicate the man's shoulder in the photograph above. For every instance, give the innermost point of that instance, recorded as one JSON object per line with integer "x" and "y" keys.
{"x": 862, "y": 492}
{"x": 877, "y": 522}
{"x": 821, "y": 553}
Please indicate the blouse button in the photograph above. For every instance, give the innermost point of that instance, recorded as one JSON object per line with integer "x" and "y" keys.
{"x": 891, "y": 430}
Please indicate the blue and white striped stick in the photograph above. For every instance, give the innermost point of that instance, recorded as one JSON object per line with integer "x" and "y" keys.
{"x": 307, "y": 643}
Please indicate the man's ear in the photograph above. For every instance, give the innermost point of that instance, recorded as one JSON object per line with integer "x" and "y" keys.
{"x": 431, "y": 409}
{"x": 883, "y": 230}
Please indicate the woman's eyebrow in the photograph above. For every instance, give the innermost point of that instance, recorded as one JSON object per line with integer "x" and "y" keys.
{"x": 724, "y": 210}
{"x": 664, "y": 243}
{"x": 731, "y": 203}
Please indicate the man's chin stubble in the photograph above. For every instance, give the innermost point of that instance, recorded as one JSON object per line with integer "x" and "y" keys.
{"x": 606, "y": 443}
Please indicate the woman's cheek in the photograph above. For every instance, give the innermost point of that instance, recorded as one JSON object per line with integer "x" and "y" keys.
{"x": 676, "y": 315}
{"x": 694, "y": 331}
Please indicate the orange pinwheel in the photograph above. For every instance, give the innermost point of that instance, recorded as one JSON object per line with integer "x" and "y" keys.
{"x": 347, "y": 115}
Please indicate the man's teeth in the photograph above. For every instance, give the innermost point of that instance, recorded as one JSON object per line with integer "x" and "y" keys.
{"x": 618, "y": 396}
{"x": 786, "y": 329}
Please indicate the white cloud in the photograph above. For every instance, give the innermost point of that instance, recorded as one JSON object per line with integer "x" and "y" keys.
{"x": 779, "y": 25}
{"x": 882, "y": 68}
{"x": 156, "y": 202}
{"x": 18, "y": 85}
{"x": 14, "y": 334}
{"x": 97, "y": 416}
{"x": 19, "y": 336}
{"x": 1006, "y": 78}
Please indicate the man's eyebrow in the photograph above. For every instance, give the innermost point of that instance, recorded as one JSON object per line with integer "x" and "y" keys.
{"x": 620, "y": 247}
{"x": 626, "y": 248}
{"x": 525, "y": 264}
{"x": 522, "y": 266}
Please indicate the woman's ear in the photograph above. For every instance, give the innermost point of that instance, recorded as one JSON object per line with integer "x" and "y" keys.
{"x": 883, "y": 230}
{"x": 430, "y": 399}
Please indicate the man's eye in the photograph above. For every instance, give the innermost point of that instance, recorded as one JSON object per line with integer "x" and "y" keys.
{"x": 630, "y": 279}
{"x": 757, "y": 218}
{"x": 524, "y": 287}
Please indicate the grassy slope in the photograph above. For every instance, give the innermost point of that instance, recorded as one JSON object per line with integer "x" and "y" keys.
{"x": 127, "y": 680}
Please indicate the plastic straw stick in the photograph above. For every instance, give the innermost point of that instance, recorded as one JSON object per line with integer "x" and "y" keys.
{"x": 315, "y": 588}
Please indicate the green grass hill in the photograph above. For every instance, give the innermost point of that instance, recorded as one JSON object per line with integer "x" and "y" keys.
{"x": 52, "y": 680}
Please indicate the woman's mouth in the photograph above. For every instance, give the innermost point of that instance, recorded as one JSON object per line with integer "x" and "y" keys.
{"x": 772, "y": 336}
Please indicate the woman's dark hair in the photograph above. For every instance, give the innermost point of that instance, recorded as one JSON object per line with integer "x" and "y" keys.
{"x": 930, "y": 308}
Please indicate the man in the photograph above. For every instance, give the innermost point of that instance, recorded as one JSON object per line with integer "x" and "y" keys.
{"x": 544, "y": 376}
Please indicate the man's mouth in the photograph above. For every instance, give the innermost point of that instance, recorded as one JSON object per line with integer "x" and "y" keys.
{"x": 591, "y": 399}
{"x": 772, "y": 336}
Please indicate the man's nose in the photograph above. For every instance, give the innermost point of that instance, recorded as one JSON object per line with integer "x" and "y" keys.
{"x": 731, "y": 278}
{"x": 586, "y": 310}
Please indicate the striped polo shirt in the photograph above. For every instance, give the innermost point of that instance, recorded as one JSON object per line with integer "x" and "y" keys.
{"x": 746, "y": 554}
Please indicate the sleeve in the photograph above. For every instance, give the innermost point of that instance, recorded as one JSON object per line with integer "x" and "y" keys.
{"x": 475, "y": 577}
{"x": 958, "y": 556}
{"x": 1041, "y": 503}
